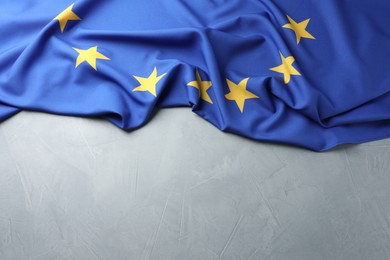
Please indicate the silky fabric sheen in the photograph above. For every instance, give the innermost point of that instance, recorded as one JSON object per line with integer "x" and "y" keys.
{"x": 341, "y": 95}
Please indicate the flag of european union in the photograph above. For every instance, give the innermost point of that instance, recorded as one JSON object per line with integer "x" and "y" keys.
{"x": 303, "y": 72}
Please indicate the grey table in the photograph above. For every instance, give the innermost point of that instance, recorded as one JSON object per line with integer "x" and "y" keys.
{"x": 178, "y": 188}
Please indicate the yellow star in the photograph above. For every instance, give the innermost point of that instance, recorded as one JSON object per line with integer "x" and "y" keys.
{"x": 90, "y": 55}
{"x": 149, "y": 83}
{"x": 238, "y": 93}
{"x": 286, "y": 68}
{"x": 299, "y": 29}
{"x": 202, "y": 86}
{"x": 65, "y": 16}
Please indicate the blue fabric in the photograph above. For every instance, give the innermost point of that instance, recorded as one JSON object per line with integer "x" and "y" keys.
{"x": 341, "y": 95}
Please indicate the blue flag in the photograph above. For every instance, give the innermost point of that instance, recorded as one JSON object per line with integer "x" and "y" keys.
{"x": 303, "y": 72}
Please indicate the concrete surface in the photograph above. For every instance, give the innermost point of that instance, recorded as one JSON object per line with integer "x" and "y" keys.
{"x": 178, "y": 188}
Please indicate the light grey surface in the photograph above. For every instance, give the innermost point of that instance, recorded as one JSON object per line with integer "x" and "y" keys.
{"x": 178, "y": 188}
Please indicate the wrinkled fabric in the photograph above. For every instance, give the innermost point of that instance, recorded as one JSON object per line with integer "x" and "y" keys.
{"x": 341, "y": 95}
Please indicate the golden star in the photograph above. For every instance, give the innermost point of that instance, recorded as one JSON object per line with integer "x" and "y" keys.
{"x": 299, "y": 29}
{"x": 238, "y": 93}
{"x": 90, "y": 55}
{"x": 149, "y": 83}
{"x": 65, "y": 16}
{"x": 202, "y": 86}
{"x": 286, "y": 68}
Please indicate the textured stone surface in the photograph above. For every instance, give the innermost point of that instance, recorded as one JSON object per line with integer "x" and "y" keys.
{"x": 178, "y": 188}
